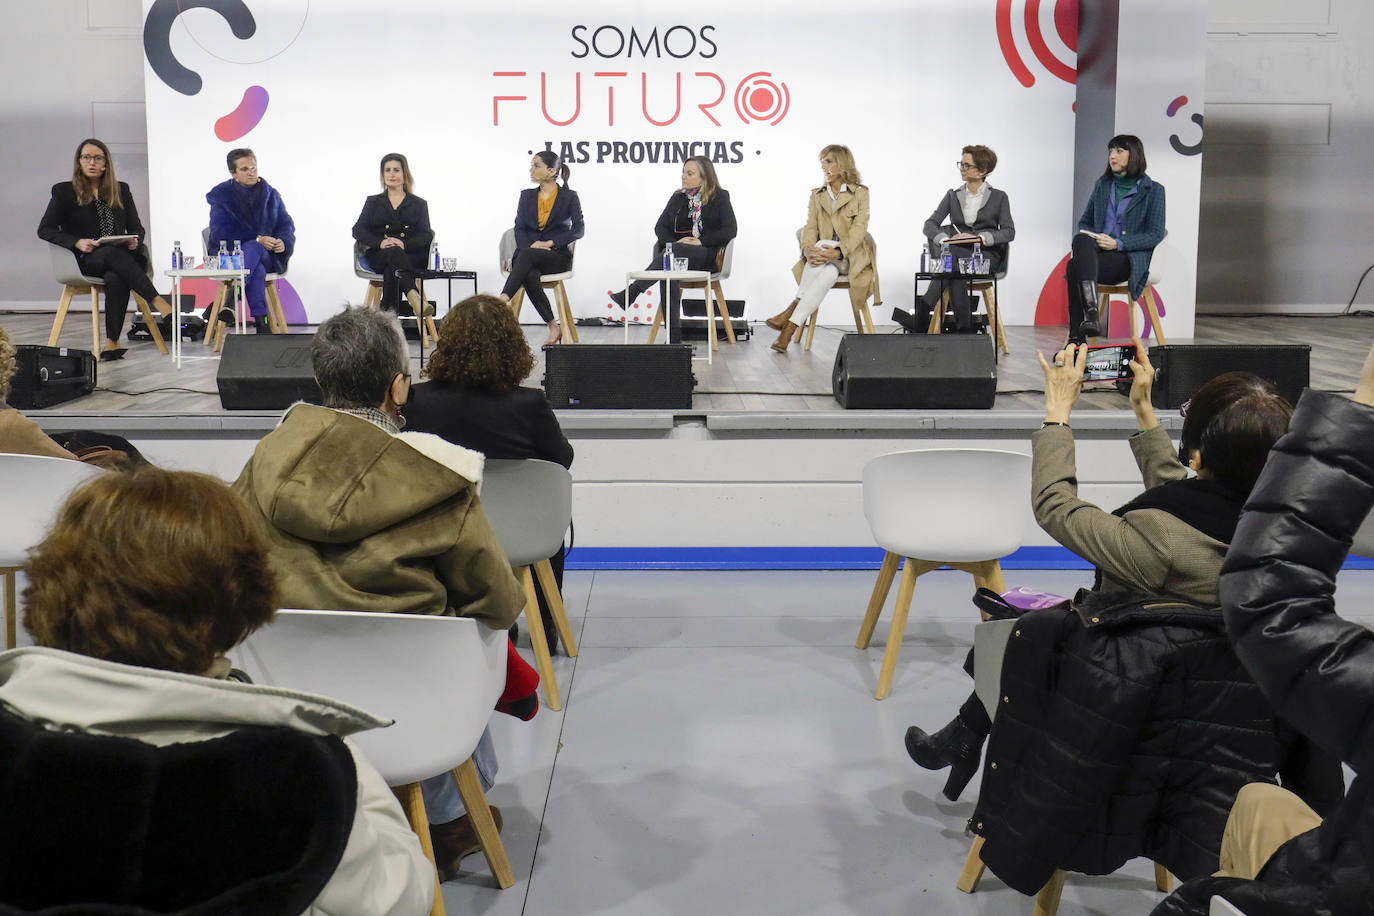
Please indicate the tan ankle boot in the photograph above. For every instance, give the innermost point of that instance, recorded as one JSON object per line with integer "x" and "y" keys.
{"x": 780, "y": 319}
{"x": 785, "y": 338}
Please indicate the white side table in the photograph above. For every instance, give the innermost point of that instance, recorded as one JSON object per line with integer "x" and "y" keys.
{"x": 659, "y": 276}
{"x": 208, "y": 273}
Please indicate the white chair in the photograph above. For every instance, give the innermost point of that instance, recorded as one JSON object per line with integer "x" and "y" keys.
{"x": 1220, "y": 906}
{"x": 529, "y": 505}
{"x": 1105, "y": 294}
{"x": 429, "y": 332}
{"x": 66, "y": 271}
{"x": 35, "y": 487}
{"x": 717, "y": 303}
{"x": 215, "y": 330}
{"x": 958, "y": 507}
{"x": 438, "y": 677}
{"x": 561, "y": 308}
{"x": 863, "y": 318}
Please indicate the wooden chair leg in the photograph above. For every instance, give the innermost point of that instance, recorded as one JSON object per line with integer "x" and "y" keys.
{"x": 986, "y": 574}
{"x": 811, "y": 329}
{"x": 63, "y": 304}
{"x": 723, "y": 310}
{"x": 1047, "y": 901}
{"x": 973, "y": 868}
{"x": 1153, "y": 307}
{"x": 1131, "y": 313}
{"x": 544, "y": 571}
{"x": 886, "y": 573}
{"x": 11, "y": 606}
{"x": 433, "y": 329}
{"x": 897, "y": 630}
{"x": 373, "y": 296}
{"x": 539, "y": 642}
{"x": 95, "y": 319}
{"x": 213, "y": 326}
{"x": 1163, "y": 880}
{"x": 1104, "y": 305}
{"x": 565, "y": 309}
{"x": 937, "y": 320}
{"x": 276, "y": 318}
{"x": 153, "y": 329}
{"x": 868, "y": 318}
{"x": 479, "y": 815}
{"x": 413, "y": 804}
{"x": 654, "y": 325}
{"x": 999, "y": 329}
{"x": 516, "y": 301}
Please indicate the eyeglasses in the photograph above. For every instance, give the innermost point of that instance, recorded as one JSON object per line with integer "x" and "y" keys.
{"x": 90, "y": 158}
{"x": 965, "y": 166}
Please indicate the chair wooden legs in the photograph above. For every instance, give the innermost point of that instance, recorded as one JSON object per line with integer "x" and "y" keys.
{"x": 973, "y": 868}
{"x": 62, "y": 305}
{"x": 910, "y": 570}
{"x": 564, "y": 310}
{"x": 656, "y": 323}
{"x": 276, "y": 318}
{"x": 151, "y": 320}
{"x": 544, "y": 571}
{"x": 1163, "y": 880}
{"x": 1047, "y": 901}
{"x": 95, "y": 320}
{"x": 886, "y": 573}
{"x": 810, "y": 329}
{"x": 998, "y": 330}
{"x": 479, "y": 815}
{"x": 1153, "y": 308}
{"x": 11, "y": 607}
{"x": 863, "y": 318}
{"x": 986, "y": 574}
{"x": 723, "y": 310}
{"x": 413, "y": 804}
{"x": 538, "y": 641}
{"x": 373, "y": 297}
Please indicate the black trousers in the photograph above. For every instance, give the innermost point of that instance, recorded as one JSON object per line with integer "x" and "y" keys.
{"x": 386, "y": 261}
{"x": 699, "y": 257}
{"x": 959, "y": 302}
{"x": 122, "y": 270}
{"x": 1088, "y": 262}
{"x": 529, "y": 268}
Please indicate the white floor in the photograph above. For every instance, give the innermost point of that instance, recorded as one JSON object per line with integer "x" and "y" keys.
{"x": 720, "y": 752}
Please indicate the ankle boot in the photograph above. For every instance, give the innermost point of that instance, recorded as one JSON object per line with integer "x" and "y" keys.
{"x": 784, "y": 338}
{"x": 778, "y": 321}
{"x": 1091, "y": 325}
{"x": 955, "y": 746}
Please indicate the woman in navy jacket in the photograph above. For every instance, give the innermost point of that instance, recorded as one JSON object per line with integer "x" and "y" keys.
{"x": 548, "y": 220}
{"x": 698, "y": 222}
{"x": 248, "y": 210}
{"x": 394, "y": 231}
{"x": 1117, "y": 234}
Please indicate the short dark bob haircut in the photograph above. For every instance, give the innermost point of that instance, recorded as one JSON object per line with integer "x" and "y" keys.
{"x": 1135, "y": 163}
{"x": 1232, "y": 422}
{"x": 481, "y": 346}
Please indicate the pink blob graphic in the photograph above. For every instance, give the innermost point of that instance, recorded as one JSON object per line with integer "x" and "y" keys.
{"x": 292, "y": 309}
{"x": 1052, "y": 308}
{"x": 245, "y": 117}
{"x": 1175, "y": 105}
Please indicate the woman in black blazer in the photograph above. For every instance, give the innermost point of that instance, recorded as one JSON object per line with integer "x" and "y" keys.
{"x": 394, "y": 232}
{"x": 991, "y": 225}
{"x": 548, "y": 220}
{"x": 95, "y": 204}
{"x": 474, "y": 398}
{"x": 698, "y": 222}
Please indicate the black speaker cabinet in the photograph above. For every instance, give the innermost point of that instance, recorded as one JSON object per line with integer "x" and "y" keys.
{"x": 694, "y": 320}
{"x": 266, "y": 372}
{"x": 1181, "y": 369}
{"x": 915, "y": 371}
{"x": 654, "y": 376}
{"x": 47, "y": 376}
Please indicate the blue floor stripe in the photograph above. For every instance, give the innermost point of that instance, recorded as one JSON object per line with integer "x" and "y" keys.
{"x": 1042, "y": 557}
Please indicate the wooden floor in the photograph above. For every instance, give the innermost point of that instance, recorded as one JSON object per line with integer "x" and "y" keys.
{"x": 748, "y": 376}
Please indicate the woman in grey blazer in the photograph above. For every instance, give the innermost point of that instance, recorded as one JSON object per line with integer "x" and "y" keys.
{"x": 973, "y": 212}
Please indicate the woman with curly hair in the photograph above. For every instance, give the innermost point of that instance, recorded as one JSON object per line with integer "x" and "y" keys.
{"x": 474, "y": 398}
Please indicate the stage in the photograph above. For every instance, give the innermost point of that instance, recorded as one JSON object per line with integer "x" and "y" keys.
{"x": 764, "y": 468}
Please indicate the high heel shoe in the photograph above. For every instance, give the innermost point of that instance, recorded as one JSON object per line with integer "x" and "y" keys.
{"x": 554, "y": 337}
{"x": 955, "y": 746}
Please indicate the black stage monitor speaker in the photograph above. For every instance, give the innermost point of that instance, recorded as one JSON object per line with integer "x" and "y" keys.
{"x": 694, "y": 320}
{"x": 266, "y": 372}
{"x": 915, "y": 371}
{"x": 654, "y": 376}
{"x": 47, "y": 376}
{"x": 1181, "y": 369}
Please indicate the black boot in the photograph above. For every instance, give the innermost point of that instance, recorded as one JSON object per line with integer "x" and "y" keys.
{"x": 260, "y": 325}
{"x": 1091, "y": 325}
{"x": 956, "y": 746}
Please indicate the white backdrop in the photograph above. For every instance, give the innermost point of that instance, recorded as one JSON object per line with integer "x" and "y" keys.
{"x": 905, "y": 84}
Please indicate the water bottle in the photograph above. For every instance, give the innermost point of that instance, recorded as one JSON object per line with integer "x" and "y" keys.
{"x": 668, "y": 256}
{"x": 238, "y": 255}
{"x": 925, "y": 257}
{"x": 946, "y": 259}
{"x": 433, "y": 255}
{"x": 176, "y": 256}
{"x": 977, "y": 257}
{"x": 223, "y": 255}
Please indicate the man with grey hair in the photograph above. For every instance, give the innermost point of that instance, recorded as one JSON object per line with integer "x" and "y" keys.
{"x": 365, "y": 517}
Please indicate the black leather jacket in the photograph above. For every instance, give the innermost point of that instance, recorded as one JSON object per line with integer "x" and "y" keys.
{"x": 1277, "y": 589}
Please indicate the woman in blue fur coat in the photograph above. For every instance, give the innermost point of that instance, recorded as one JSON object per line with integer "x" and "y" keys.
{"x": 248, "y": 210}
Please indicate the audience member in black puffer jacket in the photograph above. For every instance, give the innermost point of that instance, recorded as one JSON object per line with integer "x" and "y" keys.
{"x": 1277, "y": 589}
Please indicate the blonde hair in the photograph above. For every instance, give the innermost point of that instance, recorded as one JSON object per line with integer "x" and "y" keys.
{"x": 849, "y": 172}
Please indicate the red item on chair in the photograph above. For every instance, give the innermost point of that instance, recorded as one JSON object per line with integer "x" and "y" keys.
{"x": 520, "y": 698}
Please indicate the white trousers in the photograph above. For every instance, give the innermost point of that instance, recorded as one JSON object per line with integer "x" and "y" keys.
{"x": 815, "y": 283}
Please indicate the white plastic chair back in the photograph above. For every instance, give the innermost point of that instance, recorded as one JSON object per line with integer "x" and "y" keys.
{"x": 1220, "y": 906}
{"x": 506, "y": 256}
{"x": 726, "y": 262}
{"x": 35, "y": 487}
{"x": 438, "y": 677}
{"x": 953, "y": 505}
{"x": 360, "y": 271}
{"x": 529, "y": 504}
{"x": 1160, "y": 260}
{"x": 65, "y": 270}
{"x": 989, "y": 647}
